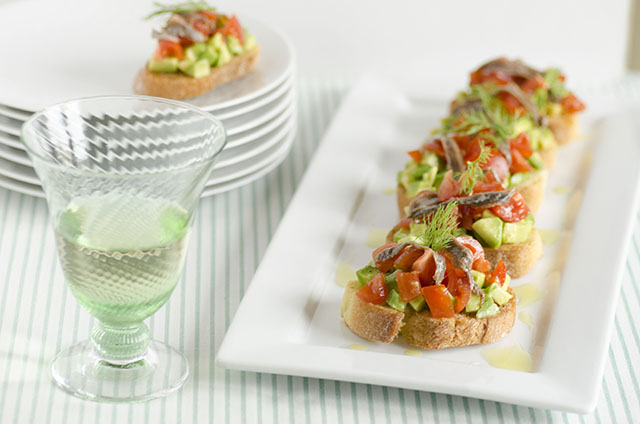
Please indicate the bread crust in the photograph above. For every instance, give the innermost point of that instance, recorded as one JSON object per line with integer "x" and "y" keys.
{"x": 549, "y": 155}
{"x": 383, "y": 324}
{"x": 378, "y": 323}
{"x": 564, "y": 127}
{"x": 423, "y": 330}
{"x": 519, "y": 258}
{"x": 179, "y": 86}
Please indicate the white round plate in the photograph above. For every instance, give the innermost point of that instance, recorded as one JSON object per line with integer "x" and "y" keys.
{"x": 14, "y": 113}
{"x": 210, "y": 190}
{"x": 10, "y": 140}
{"x": 260, "y": 116}
{"x": 246, "y": 167}
{"x": 64, "y": 65}
{"x": 15, "y": 155}
{"x": 247, "y": 151}
{"x": 21, "y": 187}
{"x": 259, "y": 131}
{"x": 18, "y": 172}
{"x": 10, "y": 125}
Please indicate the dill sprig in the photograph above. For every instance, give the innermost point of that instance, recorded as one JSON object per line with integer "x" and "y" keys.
{"x": 185, "y": 7}
{"x": 440, "y": 227}
{"x": 473, "y": 172}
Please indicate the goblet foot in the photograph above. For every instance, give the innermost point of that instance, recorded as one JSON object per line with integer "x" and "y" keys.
{"x": 82, "y": 372}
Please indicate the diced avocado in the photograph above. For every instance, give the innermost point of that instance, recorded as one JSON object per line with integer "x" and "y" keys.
{"x": 499, "y": 295}
{"x": 546, "y": 139}
{"x": 479, "y": 277}
{"x": 234, "y": 45}
{"x": 211, "y": 55}
{"x": 417, "y": 228}
{"x": 553, "y": 109}
{"x": 473, "y": 304}
{"x": 249, "y": 41}
{"x": 185, "y": 64}
{"x": 390, "y": 280}
{"x": 536, "y": 160}
{"x": 366, "y": 273}
{"x": 430, "y": 177}
{"x": 402, "y": 233}
{"x": 217, "y": 41}
{"x": 196, "y": 69}
{"x": 489, "y": 230}
{"x": 439, "y": 178}
{"x": 523, "y": 124}
{"x": 393, "y": 300}
{"x": 194, "y": 51}
{"x": 507, "y": 280}
{"x": 418, "y": 304}
{"x": 519, "y": 178}
{"x": 419, "y": 171}
{"x": 224, "y": 56}
{"x": 516, "y": 232}
{"x": 488, "y": 308}
{"x": 167, "y": 65}
{"x": 530, "y": 218}
{"x": 487, "y": 214}
{"x": 431, "y": 159}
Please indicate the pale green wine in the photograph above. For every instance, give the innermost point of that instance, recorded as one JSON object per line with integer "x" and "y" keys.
{"x": 122, "y": 255}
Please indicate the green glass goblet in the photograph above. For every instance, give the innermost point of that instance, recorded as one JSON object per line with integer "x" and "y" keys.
{"x": 122, "y": 176}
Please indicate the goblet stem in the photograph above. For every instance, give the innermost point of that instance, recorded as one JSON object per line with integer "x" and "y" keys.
{"x": 120, "y": 345}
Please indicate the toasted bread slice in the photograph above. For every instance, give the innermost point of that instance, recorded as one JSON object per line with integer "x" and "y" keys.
{"x": 532, "y": 191}
{"x": 179, "y": 86}
{"x": 423, "y": 330}
{"x": 519, "y": 258}
{"x": 378, "y": 323}
{"x": 564, "y": 127}
{"x": 383, "y": 324}
{"x": 549, "y": 155}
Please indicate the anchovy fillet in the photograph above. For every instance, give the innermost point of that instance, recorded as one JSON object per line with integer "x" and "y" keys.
{"x": 515, "y": 68}
{"x": 486, "y": 200}
{"x": 452, "y": 153}
{"x": 441, "y": 266}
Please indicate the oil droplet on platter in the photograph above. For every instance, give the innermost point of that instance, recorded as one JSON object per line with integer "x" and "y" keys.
{"x": 413, "y": 352}
{"x": 377, "y": 237}
{"x": 527, "y": 294}
{"x": 344, "y": 274}
{"x": 510, "y": 358}
{"x": 389, "y": 190}
{"x": 357, "y": 347}
{"x": 561, "y": 189}
{"x": 549, "y": 236}
{"x": 526, "y": 318}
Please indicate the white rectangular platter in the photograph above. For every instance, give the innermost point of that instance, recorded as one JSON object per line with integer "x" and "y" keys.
{"x": 289, "y": 320}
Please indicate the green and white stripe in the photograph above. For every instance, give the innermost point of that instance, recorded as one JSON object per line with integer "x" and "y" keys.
{"x": 38, "y": 316}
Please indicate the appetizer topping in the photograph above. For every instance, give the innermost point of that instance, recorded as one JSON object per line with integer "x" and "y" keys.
{"x": 480, "y": 200}
{"x": 441, "y": 267}
{"x": 452, "y": 153}
{"x": 501, "y": 68}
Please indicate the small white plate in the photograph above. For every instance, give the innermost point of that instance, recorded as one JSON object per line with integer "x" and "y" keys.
{"x": 12, "y": 154}
{"x": 21, "y": 186}
{"x": 10, "y": 140}
{"x": 212, "y": 189}
{"x": 246, "y": 167}
{"x": 259, "y": 116}
{"x": 294, "y": 327}
{"x": 18, "y": 172}
{"x": 18, "y": 114}
{"x": 48, "y": 74}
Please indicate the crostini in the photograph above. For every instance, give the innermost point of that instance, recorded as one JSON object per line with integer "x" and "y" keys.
{"x": 437, "y": 290}
{"x": 198, "y": 50}
{"x": 541, "y": 94}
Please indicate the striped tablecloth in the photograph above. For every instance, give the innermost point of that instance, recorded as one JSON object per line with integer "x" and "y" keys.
{"x": 39, "y": 316}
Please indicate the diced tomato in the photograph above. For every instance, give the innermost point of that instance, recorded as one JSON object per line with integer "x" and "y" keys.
{"x": 167, "y": 48}
{"x": 533, "y": 83}
{"x": 234, "y": 28}
{"x": 416, "y": 155}
{"x": 208, "y": 14}
{"x": 522, "y": 144}
{"x": 481, "y": 265}
{"x": 384, "y": 266}
{"x": 185, "y": 41}
{"x": 408, "y": 285}
{"x": 425, "y": 265}
{"x": 499, "y": 164}
{"x": 449, "y": 187}
{"x": 460, "y": 288}
{"x": 510, "y": 103}
{"x": 499, "y": 274}
{"x": 439, "y": 301}
{"x": 473, "y": 245}
{"x": 435, "y": 147}
{"x": 406, "y": 259}
{"x": 513, "y": 210}
{"x": 201, "y": 26}
{"x": 572, "y": 104}
{"x": 519, "y": 163}
{"x": 488, "y": 183}
{"x": 375, "y": 291}
{"x": 496, "y": 77}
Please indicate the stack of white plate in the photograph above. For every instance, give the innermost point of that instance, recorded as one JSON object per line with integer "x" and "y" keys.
{"x": 258, "y": 110}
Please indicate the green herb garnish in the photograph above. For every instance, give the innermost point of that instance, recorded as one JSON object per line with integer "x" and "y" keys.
{"x": 180, "y": 8}
{"x": 440, "y": 227}
{"x": 473, "y": 172}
